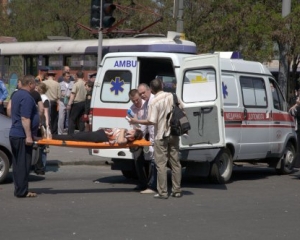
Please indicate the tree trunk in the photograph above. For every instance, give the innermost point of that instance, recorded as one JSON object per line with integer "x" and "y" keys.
{"x": 283, "y": 74}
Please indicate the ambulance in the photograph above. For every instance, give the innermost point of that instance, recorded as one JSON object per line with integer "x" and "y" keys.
{"x": 235, "y": 107}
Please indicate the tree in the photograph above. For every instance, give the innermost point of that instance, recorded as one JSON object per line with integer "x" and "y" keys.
{"x": 35, "y": 20}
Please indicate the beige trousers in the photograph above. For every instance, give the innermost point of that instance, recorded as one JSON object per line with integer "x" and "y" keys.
{"x": 166, "y": 150}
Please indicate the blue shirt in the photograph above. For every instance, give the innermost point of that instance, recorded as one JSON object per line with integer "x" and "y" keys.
{"x": 23, "y": 105}
{"x": 3, "y": 91}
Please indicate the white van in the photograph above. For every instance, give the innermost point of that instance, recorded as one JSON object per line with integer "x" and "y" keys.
{"x": 234, "y": 114}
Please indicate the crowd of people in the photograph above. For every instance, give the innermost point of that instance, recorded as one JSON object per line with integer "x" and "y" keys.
{"x": 50, "y": 115}
{"x": 41, "y": 106}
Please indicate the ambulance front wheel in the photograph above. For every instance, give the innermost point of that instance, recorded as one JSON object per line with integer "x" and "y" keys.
{"x": 4, "y": 166}
{"x": 221, "y": 167}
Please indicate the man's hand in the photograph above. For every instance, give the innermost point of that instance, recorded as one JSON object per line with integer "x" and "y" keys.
{"x": 29, "y": 141}
{"x": 133, "y": 120}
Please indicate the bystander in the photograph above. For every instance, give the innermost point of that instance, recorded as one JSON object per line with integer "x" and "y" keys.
{"x": 25, "y": 123}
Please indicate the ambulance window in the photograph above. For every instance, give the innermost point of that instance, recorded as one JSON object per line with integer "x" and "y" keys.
{"x": 229, "y": 90}
{"x": 199, "y": 85}
{"x": 253, "y": 92}
{"x": 116, "y": 85}
{"x": 278, "y": 100}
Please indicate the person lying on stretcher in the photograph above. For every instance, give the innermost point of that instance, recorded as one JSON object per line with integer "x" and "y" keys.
{"x": 110, "y": 135}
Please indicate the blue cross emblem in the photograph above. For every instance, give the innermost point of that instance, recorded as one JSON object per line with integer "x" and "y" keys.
{"x": 117, "y": 85}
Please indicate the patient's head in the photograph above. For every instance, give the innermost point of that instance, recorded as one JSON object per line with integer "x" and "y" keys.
{"x": 134, "y": 134}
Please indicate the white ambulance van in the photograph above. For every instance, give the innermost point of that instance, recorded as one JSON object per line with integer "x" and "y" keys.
{"x": 236, "y": 109}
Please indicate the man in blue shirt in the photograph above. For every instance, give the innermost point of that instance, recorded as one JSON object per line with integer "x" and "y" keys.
{"x": 25, "y": 123}
{"x": 3, "y": 96}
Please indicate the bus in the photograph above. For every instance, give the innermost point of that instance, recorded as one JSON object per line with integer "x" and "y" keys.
{"x": 21, "y": 58}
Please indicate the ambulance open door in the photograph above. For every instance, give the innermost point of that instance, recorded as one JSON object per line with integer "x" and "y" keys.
{"x": 201, "y": 93}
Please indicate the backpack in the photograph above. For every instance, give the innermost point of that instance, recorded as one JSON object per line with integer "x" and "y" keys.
{"x": 179, "y": 122}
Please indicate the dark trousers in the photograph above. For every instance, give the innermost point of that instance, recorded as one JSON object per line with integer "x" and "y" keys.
{"x": 22, "y": 156}
{"x": 53, "y": 117}
{"x": 2, "y": 108}
{"x": 97, "y": 136}
{"x": 76, "y": 112}
{"x": 141, "y": 167}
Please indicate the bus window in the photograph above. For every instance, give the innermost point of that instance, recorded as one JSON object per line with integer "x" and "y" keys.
{"x": 31, "y": 65}
{"x": 76, "y": 62}
{"x": 14, "y": 65}
{"x": 55, "y": 62}
{"x": 90, "y": 62}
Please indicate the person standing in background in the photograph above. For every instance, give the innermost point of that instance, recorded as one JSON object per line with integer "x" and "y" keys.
{"x": 42, "y": 73}
{"x": 40, "y": 166}
{"x": 92, "y": 77}
{"x": 76, "y": 103}
{"x": 3, "y": 95}
{"x": 25, "y": 123}
{"x": 293, "y": 99}
{"x": 89, "y": 89}
{"x": 65, "y": 70}
{"x": 63, "y": 114}
{"x": 53, "y": 93}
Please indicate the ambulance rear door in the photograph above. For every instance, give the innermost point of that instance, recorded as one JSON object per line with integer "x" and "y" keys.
{"x": 110, "y": 97}
{"x": 200, "y": 90}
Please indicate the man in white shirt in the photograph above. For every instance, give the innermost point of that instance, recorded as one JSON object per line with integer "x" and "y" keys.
{"x": 145, "y": 93}
{"x": 63, "y": 115}
{"x": 139, "y": 112}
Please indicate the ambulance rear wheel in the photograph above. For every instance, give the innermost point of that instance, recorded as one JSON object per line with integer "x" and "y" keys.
{"x": 287, "y": 160}
{"x": 221, "y": 167}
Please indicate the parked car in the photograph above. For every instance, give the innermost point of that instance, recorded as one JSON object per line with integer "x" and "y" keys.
{"x": 5, "y": 149}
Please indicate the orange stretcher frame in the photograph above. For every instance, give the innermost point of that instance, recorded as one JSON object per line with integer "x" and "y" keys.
{"x": 103, "y": 145}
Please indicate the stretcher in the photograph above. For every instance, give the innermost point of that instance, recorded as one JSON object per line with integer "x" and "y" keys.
{"x": 80, "y": 144}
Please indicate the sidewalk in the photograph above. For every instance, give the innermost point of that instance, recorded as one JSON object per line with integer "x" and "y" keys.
{"x": 73, "y": 156}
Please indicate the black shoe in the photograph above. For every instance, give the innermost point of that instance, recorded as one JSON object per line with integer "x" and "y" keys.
{"x": 39, "y": 172}
{"x": 158, "y": 196}
{"x": 176, "y": 194}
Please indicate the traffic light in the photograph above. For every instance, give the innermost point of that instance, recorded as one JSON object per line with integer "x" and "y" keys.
{"x": 95, "y": 14}
{"x": 107, "y": 12}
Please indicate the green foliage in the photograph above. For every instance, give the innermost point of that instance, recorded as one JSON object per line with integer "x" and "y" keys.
{"x": 35, "y": 20}
{"x": 249, "y": 26}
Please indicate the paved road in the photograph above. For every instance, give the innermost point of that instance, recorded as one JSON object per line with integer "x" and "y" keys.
{"x": 258, "y": 204}
{"x": 73, "y": 156}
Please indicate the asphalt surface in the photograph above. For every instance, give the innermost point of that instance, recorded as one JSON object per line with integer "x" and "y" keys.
{"x": 93, "y": 202}
{"x": 73, "y": 156}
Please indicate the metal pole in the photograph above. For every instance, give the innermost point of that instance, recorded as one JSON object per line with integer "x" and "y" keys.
{"x": 179, "y": 11}
{"x": 286, "y": 7}
{"x": 100, "y": 36}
